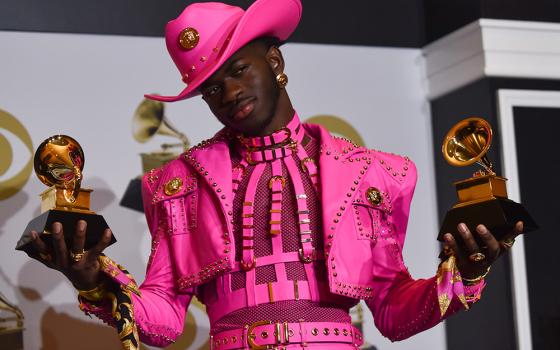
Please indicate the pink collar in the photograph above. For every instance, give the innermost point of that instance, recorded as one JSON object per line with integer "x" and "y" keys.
{"x": 277, "y": 145}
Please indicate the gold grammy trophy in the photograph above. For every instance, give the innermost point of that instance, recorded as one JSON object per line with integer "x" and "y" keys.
{"x": 58, "y": 162}
{"x": 149, "y": 120}
{"x": 482, "y": 199}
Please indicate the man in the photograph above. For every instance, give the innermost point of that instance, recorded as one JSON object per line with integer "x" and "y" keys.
{"x": 276, "y": 226}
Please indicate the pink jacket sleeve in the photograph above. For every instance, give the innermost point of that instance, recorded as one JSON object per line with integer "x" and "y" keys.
{"x": 159, "y": 311}
{"x": 402, "y": 306}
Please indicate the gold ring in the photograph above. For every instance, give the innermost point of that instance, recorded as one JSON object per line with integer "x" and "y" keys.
{"x": 508, "y": 243}
{"x": 76, "y": 257}
{"x": 45, "y": 256}
{"x": 476, "y": 257}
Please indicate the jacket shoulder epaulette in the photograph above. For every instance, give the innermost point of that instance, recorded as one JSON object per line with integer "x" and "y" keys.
{"x": 400, "y": 168}
{"x": 397, "y": 166}
{"x": 220, "y": 136}
{"x": 345, "y": 149}
{"x": 171, "y": 180}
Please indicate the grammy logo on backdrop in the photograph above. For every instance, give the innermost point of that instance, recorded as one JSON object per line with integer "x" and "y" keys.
{"x": 482, "y": 199}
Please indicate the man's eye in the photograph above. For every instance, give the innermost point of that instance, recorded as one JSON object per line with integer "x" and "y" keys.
{"x": 240, "y": 70}
{"x": 211, "y": 91}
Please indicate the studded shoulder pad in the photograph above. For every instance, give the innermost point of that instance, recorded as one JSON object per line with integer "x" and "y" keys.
{"x": 344, "y": 149}
{"x": 172, "y": 180}
{"x": 397, "y": 166}
{"x": 220, "y": 136}
{"x": 151, "y": 179}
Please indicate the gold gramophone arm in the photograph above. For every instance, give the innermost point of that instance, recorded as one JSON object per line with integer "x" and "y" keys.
{"x": 184, "y": 140}
{"x": 149, "y": 119}
{"x": 7, "y": 306}
{"x": 72, "y": 188}
{"x": 485, "y": 163}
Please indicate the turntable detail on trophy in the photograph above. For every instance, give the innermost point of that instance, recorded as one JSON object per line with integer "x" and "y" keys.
{"x": 59, "y": 162}
{"x": 482, "y": 199}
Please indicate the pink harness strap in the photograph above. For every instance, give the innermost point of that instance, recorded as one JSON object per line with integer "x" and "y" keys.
{"x": 276, "y": 185}
{"x": 248, "y": 261}
{"x": 306, "y": 252}
{"x": 238, "y": 172}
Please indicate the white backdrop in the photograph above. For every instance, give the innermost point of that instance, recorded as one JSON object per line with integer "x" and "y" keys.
{"x": 88, "y": 86}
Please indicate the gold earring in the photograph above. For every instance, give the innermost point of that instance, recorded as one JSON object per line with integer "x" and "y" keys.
{"x": 282, "y": 80}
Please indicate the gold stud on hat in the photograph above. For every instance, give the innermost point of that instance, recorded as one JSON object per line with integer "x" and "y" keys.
{"x": 188, "y": 39}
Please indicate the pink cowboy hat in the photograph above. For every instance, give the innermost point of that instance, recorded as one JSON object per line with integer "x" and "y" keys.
{"x": 205, "y": 35}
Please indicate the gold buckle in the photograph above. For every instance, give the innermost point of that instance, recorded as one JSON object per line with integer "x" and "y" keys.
{"x": 280, "y": 327}
{"x": 276, "y": 178}
{"x": 304, "y": 162}
{"x": 307, "y": 259}
{"x": 250, "y": 160}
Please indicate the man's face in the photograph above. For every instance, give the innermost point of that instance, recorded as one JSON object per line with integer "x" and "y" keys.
{"x": 243, "y": 93}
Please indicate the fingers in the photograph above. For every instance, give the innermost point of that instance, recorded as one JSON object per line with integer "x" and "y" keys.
{"x": 38, "y": 243}
{"x": 41, "y": 247}
{"x": 450, "y": 243}
{"x": 489, "y": 241}
{"x": 79, "y": 239}
{"x": 468, "y": 240}
{"x": 507, "y": 242}
{"x": 59, "y": 246}
{"x": 518, "y": 229}
{"x": 101, "y": 245}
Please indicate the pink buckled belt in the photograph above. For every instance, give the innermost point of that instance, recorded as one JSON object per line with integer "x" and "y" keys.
{"x": 264, "y": 335}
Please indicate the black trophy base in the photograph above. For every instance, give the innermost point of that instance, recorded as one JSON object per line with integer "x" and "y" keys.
{"x": 11, "y": 339}
{"x": 132, "y": 197}
{"x": 42, "y": 224}
{"x": 498, "y": 215}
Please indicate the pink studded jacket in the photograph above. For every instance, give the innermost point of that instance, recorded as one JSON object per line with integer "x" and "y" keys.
{"x": 365, "y": 197}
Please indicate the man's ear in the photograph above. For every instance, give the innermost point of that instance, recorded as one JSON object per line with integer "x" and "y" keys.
{"x": 275, "y": 60}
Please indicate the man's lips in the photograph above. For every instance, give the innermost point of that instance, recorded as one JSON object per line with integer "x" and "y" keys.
{"x": 242, "y": 110}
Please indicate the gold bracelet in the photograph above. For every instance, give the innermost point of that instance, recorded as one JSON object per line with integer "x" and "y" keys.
{"x": 473, "y": 281}
{"x": 96, "y": 294}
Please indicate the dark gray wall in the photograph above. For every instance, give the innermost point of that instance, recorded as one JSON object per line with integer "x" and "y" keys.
{"x": 443, "y": 16}
{"x": 375, "y": 23}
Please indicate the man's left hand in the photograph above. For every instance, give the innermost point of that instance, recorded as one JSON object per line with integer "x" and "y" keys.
{"x": 474, "y": 260}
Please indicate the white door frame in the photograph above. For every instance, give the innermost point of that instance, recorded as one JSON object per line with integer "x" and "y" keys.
{"x": 507, "y": 100}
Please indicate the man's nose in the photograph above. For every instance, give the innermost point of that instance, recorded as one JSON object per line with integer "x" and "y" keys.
{"x": 232, "y": 91}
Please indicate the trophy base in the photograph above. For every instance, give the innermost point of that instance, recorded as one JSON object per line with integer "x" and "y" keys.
{"x": 499, "y": 215}
{"x": 11, "y": 338}
{"x": 132, "y": 198}
{"x": 42, "y": 224}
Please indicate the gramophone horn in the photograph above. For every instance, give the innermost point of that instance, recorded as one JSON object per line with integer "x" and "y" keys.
{"x": 149, "y": 119}
{"x": 468, "y": 142}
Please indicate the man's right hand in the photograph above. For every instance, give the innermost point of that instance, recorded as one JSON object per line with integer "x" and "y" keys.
{"x": 84, "y": 272}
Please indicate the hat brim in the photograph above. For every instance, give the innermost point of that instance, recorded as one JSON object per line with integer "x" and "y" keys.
{"x": 274, "y": 18}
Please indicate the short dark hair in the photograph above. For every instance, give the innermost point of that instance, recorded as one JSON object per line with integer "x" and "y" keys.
{"x": 268, "y": 41}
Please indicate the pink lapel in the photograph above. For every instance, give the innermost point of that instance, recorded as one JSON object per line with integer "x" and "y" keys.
{"x": 212, "y": 161}
{"x": 339, "y": 179}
